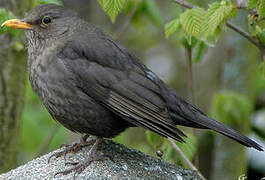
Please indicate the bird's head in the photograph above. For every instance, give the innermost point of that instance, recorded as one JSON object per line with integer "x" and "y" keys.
{"x": 44, "y": 22}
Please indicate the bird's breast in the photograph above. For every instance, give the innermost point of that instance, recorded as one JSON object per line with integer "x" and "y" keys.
{"x": 74, "y": 109}
{"x": 53, "y": 83}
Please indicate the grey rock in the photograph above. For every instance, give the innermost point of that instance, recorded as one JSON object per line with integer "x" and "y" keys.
{"x": 125, "y": 163}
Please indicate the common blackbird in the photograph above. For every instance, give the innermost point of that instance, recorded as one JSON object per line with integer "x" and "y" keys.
{"x": 93, "y": 85}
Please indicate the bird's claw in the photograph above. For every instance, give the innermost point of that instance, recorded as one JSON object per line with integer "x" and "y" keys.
{"x": 71, "y": 148}
{"x": 79, "y": 167}
{"x": 71, "y": 163}
{"x": 56, "y": 155}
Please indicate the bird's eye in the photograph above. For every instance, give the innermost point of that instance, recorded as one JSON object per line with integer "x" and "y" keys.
{"x": 46, "y": 20}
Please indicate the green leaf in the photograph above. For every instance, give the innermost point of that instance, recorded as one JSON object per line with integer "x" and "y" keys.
{"x": 216, "y": 14}
{"x": 58, "y": 2}
{"x": 200, "y": 52}
{"x": 215, "y": 20}
{"x": 188, "y": 43}
{"x": 153, "y": 139}
{"x": 261, "y": 9}
{"x": 147, "y": 11}
{"x": 252, "y": 4}
{"x": 231, "y": 108}
{"x": 188, "y": 148}
{"x": 129, "y": 5}
{"x": 233, "y": 13}
{"x": 101, "y": 3}
{"x": 112, "y": 7}
{"x": 5, "y": 15}
{"x": 153, "y": 12}
{"x": 251, "y": 25}
{"x": 169, "y": 152}
{"x": 191, "y": 22}
{"x": 172, "y": 27}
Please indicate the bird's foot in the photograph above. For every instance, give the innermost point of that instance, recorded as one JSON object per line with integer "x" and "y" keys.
{"x": 80, "y": 166}
{"x": 71, "y": 148}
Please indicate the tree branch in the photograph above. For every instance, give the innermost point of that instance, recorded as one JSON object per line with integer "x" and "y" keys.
{"x": 246, "y": 35}
{"x": 184, "y": 4}
{"x": 191, "y": 89}
{"x": 48, "y": 140}
{"x": 182, "y": 155}
{"x": 191, "y": 83}
{"x": 117, "y": 35}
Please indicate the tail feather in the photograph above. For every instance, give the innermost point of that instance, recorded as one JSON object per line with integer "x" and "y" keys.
{"x": 185, "y": 114}
{"x": 227, "y": 131}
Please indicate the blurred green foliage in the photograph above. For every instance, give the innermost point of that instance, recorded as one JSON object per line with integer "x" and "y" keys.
{"x": 262, "y": 68}
{"x": 37, "y": 2}
{"x": 252, "y": 4}
{"x": 231, "y": 108}
{"x": 261, "y": 9}
{"x": 147, "y": 11}
{"x": 172, "y": 27}
{"x": 6, "y": 15}
{"x": 200, "y": 52}
{"x": 159, "y": 143}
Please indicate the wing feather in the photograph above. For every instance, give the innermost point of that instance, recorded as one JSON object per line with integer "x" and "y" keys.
{"x": 120, "y": 83}
{"x": 143, "y": 117}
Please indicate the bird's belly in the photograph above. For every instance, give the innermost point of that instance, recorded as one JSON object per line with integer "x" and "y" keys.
{"x": 71, "y": 107}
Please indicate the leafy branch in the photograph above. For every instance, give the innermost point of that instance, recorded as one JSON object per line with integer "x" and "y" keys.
{"x": 196, "y": 22}
{"x": 215, "y": 17}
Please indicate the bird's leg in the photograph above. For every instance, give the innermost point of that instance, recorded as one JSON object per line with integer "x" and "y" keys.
{"x": 80, "y": 166}
{"x": 71, "y": 148}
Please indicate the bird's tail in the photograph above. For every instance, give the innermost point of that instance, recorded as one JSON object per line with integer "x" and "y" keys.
{"x": 192, "y": 117}
{"x": 219, "y": 127}
{"x": 185, "y": 114}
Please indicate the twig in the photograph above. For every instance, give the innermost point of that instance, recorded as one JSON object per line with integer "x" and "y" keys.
{"x": 125, "y": 25}
{"x": 48, "y": 140}
{"x": 246, "y": 35}
{"x": 182, "y": 155}
{"x": 191, "y": 89}
{"x": 190, "y": 75}
{"x": 230, "y": 25}
{"x": 185, "y": 4}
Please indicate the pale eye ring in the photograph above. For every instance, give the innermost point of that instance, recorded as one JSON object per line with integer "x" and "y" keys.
{"x": 46, "y": 20}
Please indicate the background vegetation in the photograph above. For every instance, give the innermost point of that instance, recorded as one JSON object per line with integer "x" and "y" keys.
{"x": 211, "y": 51}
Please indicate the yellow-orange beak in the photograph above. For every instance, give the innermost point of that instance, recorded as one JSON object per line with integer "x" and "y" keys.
{"x": 16, "y": 23}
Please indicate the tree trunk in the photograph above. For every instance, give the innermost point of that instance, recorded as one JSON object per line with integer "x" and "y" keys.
{"x": 12, "y": 87}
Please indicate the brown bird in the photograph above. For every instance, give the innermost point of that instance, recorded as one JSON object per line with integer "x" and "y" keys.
{"x": 93, "y": 85}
